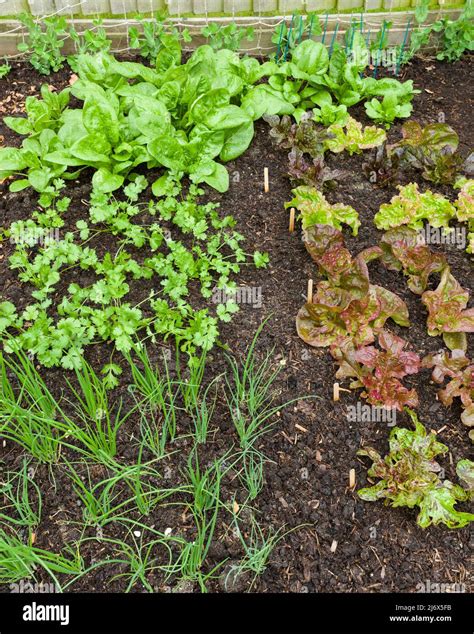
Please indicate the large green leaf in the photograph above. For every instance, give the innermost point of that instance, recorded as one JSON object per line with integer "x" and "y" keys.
{"x": 237, "y": 141}
{"x": 311, "y": 57}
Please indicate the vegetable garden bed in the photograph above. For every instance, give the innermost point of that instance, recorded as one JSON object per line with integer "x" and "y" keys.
{"x": 319, "y": 533}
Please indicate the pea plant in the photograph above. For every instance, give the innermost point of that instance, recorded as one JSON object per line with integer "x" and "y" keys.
{"x": 44, "y": 42}
{"x": 5, "y": 69}
{"x": 452, "y": 38}
{"x": 148, "y": 37}
{"x": 230, "y": 36}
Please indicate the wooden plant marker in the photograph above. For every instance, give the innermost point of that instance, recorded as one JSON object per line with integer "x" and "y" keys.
{"x": 352, "y": 478}
{"x": 309, "y": 295}
{"x": 336, "y": 391}
{"x": 292, "y": 220}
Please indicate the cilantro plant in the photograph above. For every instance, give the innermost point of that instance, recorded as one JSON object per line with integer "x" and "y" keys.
{"x": 44, "y": 42}
{"x": 409, "y": 476}
{"x": 100, "y": 310}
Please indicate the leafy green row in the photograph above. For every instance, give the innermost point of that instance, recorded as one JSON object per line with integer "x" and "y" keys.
{"x": 87, "y": 314}
{"x": 178, "y": 116}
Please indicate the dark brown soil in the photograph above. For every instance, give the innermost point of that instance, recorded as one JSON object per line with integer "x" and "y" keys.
{"x": 379, "y": 549}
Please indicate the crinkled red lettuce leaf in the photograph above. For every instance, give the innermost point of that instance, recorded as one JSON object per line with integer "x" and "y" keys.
{"x": 404, "y": 249}
{"x": 306, "y": 136}
{"x": 447, "y": 312}
{"x": 346, "y": 306}
{"x": 409, "y": 477}
{"x": 459, "y": 369}
{"x": 326, "y": 247}
{"x": 313, "y": 172}
{"x": 379, "y": 371}
{"x": 381, "y": 168}
{"x": 431, "y": 149}
{"x": 335, "y": 317}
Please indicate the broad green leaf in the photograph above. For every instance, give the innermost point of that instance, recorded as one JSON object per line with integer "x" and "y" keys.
{"x": 105, "y": 181}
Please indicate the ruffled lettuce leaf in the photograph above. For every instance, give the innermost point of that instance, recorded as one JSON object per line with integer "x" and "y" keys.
{"x": 379, "y": 371}
{"x": 412, "y": 207}
{"x": 459, "y": 369}
{"x": 465, "y": 208}
{"x": 431, "y": 149}
{"x": 405, "y": 249}
{"x": 316, "y": 210}
{"x": 352, "y": 137}
{"x": 409, "y": 477}
{"x": 447, "y": 312}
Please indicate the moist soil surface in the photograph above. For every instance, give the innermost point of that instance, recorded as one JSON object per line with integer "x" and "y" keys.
{"x": 313, "y": 445}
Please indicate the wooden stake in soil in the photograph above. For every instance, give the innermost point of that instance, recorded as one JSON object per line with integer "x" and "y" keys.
{"x": 309, "y": 295}
{"x": 352, "y": 478}
{"x": 292, "y": 220}
{"x": 336, "y": 391}
{"x": 266, "y": 185}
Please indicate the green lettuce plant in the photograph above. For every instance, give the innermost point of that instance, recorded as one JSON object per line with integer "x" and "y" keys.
{"x": 316, "y": 210}
{"x": 182, "y": 117}
{"x": 351, "y": 137}
{"x": 409, "y": 476}
{"x": 412, "y": 207}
